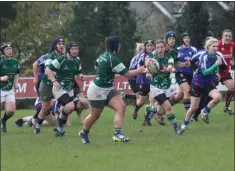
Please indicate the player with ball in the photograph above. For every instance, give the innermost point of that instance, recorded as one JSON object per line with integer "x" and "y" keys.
{"x": 160, "y": 66}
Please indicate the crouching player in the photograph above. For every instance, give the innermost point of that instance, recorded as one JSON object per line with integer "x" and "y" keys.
{"x": 161, "y": 82}
{"x": 80, "y": 103}
{"x": 50, "y": 119}
{"x": 66, "y": 68}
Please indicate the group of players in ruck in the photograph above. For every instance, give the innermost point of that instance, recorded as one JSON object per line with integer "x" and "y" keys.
{"x": 197, "y": 73}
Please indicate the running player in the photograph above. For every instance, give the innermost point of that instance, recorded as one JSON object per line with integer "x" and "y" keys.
{"x": 171, "y": 49}
{"x": 132, "y": 80}
{"x": 45, "y": 88}
{"x": 142, "y": 82}
{"x": 9, "y": 75}
{"x": 226, "y": 47}
{"x": 66, "y": 68}
{"x": 209, "y": 61}
{"x": 38, "y": 71}
{"x": 161, "y": 82}
{"x": 184, "y": 74}
{"x": 101, "y": 91}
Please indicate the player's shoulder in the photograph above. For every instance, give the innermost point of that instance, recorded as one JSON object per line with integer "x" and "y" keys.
{"x": 193, "y": 48}
{"x": 151, "y": 55}
{"x": 219, "y": 54}
{"x": 232, "y": 44}
{"x": 179, "y": 48}
{"x": 201, "y": 51}
{"x": 175, "y": 48}
{"x": 77, "y": 58}
{"x": 168, "y": 56}
{"x": 15, "y": 59}
{"x": 61, "y": 58}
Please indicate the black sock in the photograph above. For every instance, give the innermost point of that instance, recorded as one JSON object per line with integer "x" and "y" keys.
{"x": 6, "y": 117}
{"x": 187, "y": 104}
{"x": 35, "y": 116}
{"x": 85, "y": 131}
{"x": 173, "y": 102}
{"x": 21, "y": 120}
{"x": 137, "y": 107}
{"x": 40, "y": 121}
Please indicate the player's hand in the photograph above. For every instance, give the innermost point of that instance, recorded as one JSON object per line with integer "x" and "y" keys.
{"x": 142, "y": 69}
{"x": 56, "y": 85}
{"x": 4, "y": 78}
{"x": 173, "y": 70}
{"x": 81, "y": 77}
{"x": 232, "y": 63}
{"x": 187, "y": 63}
{"x": 187, "y": 58}
{"x": 148, "y": 75}
{"x": 35, "y": 81}
{"x": 218, "y": 61}
{"x": 218, "y": 77}
{"x": 16, "y": 86}
{"x": 164, "y": 69}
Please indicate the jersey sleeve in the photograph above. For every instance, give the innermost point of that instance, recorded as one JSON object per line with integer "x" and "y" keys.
{"x": 170, "y": 60}
{"x": 55, "y": 64}
{"x": 40, "y": 60}
{"x": 194, "y": 50}
{"x": 141, "y": 61}
{"x": 174, "y": 54}
{"x": 195, "y": 57}
{"x": 48, "y": 60}
{"x": 117, "y": 66}
{"x": 219, "y": 54}
{"x": 79, "y": 71}
{"x": 18, "y": 66}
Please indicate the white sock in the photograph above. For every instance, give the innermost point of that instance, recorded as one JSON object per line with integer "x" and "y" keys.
{"x": 27, "y": 118}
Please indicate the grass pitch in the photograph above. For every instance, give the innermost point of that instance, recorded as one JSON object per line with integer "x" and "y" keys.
{"x": 201, "y": 148}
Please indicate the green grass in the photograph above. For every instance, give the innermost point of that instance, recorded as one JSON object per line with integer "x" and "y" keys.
{"x": 201, "y": 148}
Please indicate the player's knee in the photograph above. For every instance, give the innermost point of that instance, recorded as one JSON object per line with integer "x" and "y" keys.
{"x": 84, "y": 103}
{"x": 193, "y": 109}
{"x": 69, "y": 107}
{"x": 45, "y": 106}
{"x": 217, "y": 97}
{"x": 121, "y": 109}
{"x": 167, "y": 107}
{"x": 232, "y": 89}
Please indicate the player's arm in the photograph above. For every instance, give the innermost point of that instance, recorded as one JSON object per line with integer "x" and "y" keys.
{"x": 16, "y": 77}
{"x": 35, "y": 72}
{"x": 182, "y": 64}
{"x": 35, "y": 69}
{"x": 211, "y": 70}
{"x": 119, "y": 68}
{"x": 170, "y": 65}
{"x": 51, "y": 70}
{"x": 16, "y": 81}
{"x": 2, "y": 78}
{"x": 79, "y": 74}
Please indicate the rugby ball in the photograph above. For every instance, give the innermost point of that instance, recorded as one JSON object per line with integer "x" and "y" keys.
{"x": 153, "y": 65}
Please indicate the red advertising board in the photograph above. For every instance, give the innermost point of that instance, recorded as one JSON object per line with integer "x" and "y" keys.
{"x": 27, "y": 89}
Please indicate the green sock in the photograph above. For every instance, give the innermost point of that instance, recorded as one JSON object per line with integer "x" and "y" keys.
{"x": 172, "y": 119}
